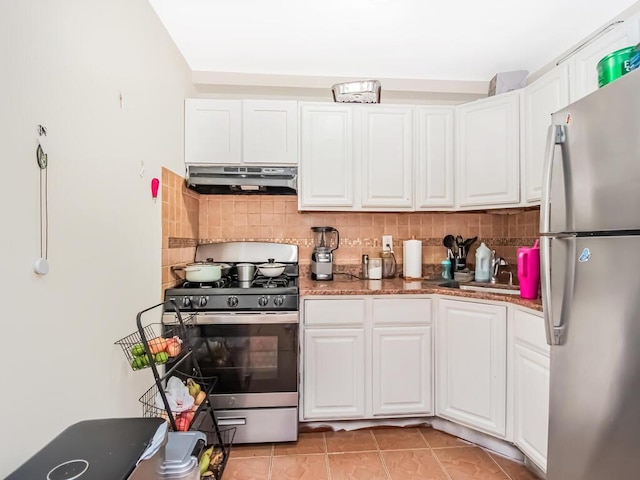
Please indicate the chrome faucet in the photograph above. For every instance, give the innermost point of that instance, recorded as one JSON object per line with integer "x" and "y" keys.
{"x": 495, "y": 268}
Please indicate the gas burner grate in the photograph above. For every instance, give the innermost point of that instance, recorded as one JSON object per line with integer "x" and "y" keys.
{"x": 271, "y": 282}
{"x": 223, "y": 282}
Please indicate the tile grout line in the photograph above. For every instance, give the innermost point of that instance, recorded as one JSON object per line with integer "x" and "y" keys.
{"x": 435, "y": 457}
{"x": 326, "y": 456}
{"x": 424, "y": 438}
{"x": 384, "y": 464}
{"x": 494, "y": 461}
{"x": 271, "y": 461}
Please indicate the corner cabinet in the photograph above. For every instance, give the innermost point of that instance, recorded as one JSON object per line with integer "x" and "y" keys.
{"x": 434, "y": 185}
{"x": 531, "y": 369}
{"x": 387, "y": 157}
{"x": 471, "y": 365}
{"x": 583, "y": 64}
{"x": 542, "y": 98}
{"x": 326, "y": 156}
{"x": 488, "y": 151}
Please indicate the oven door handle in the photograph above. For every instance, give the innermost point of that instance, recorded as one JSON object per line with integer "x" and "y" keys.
{"x": 232, "y": 421}
{"x": 245, "y": 318}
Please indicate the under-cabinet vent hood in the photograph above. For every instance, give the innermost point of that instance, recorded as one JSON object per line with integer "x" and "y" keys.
{"x": 209, "y": 179}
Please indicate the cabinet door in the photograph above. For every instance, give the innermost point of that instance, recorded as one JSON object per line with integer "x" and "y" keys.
{"x": 212, "y": 131}
{"x": 543, "y": 97}
{"x": 488, "y": 153}
{"x": 270, "y": 132}
{"x": 326, "y": 156}
{"x": 334, "y": 366}
{"x": 471, "y": 354}
{"x": 434, "y": 158}
{"x": 402, "y": 371}
{"x": 584, "y": 63}
{"x": 531, "y": 386}
{"x": 387, "y": 157}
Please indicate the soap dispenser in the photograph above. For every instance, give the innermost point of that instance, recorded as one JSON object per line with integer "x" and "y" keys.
{"x": 483, "y": 263}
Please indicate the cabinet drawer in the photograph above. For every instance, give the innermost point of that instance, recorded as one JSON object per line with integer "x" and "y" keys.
{"x": 401, "y": 310}
{"x": 529, "y": 328}
{"x": 334, "y": 312}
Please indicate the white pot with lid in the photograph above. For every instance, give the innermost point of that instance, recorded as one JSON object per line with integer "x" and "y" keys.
{"x": 201, "y": 272}
{"x": 271, "y": 269}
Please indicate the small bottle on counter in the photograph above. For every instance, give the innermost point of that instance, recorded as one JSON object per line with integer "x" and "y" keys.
{"x": 445, "y": 266}
{"x": 364, "y": 274}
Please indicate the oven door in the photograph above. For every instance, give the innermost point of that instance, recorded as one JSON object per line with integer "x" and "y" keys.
{"x": 253, "y": 355}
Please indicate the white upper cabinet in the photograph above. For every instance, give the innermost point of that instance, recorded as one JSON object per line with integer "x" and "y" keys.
{"x": 270, "y": 132}
{"x": 488, "y": 151}
{"x": 232, "y": 132}
{"x": 543, "y": 97}
{"x": 326, "y": 156}
{"x": 471, "y": 365}
{"x": 213, "y": 131}
{"x": 434, "y": 184}
{"x": 584, "y": 63}
{"x": 387, "y": 156}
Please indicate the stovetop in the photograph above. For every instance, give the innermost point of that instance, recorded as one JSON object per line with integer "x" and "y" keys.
{"x": 260, "y": 294}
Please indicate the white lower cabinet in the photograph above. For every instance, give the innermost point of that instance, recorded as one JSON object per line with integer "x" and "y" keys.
{"x": 531, "y": 386}
{"x": 402, "y": 368}
{"x": 334, "y": 369}
{"x": 471, "y": 365}
{"x": 378, "y": 363}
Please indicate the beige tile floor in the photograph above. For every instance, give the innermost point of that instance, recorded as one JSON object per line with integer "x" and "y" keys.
{"x": 384, "y": 454}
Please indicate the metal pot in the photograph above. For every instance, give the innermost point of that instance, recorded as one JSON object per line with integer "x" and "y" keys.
{"x": 246, "y": 271}
{"x": 202, "y": 272}
{"x": 271, "y": 269}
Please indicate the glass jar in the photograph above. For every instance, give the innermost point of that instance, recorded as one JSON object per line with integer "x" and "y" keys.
{"x": 375, "y": 268}
{"x": 388, "y": 264}
{"x": 445, "y": 269}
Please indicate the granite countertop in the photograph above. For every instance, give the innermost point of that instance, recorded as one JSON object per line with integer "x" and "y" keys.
{"x": 344, "y": 284}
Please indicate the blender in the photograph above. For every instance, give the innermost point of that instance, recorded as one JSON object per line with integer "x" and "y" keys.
{"x": 326, "y": 240}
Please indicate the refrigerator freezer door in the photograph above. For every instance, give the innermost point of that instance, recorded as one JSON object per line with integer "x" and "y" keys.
{"x": 596, "y": 176}
{"x": 595, "y": 374}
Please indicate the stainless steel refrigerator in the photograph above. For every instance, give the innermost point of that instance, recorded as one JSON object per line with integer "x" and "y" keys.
{"x": 590, "y": 266}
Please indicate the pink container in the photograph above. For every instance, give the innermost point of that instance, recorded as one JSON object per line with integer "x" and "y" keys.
{"x": 529, "y": 271}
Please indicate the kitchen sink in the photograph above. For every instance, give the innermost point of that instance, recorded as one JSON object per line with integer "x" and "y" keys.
{"x": 489, "y": 288}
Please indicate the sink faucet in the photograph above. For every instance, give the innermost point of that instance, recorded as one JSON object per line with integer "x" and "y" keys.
{"x": 495, "y": 268}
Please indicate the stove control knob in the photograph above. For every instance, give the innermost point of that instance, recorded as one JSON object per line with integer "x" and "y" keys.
{"x": 203, "y": 301}
{"x": 279, "y": 300}
{"x": 186, "y": 302}
{"x": 232, "y": 301}
{"x": 263, "y": 301}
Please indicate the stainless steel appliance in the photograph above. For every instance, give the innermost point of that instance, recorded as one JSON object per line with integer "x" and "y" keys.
{"x": 216, "y": 179}
{"x": 249, "y": 333}
{"x": 326, "y": 240}
{"x": 590, "y": 255}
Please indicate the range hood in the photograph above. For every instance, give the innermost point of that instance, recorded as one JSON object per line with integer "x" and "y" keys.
{"x": 216, "y": 179}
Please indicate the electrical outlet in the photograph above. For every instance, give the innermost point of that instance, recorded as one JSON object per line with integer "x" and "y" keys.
{"x": 387, "y": 242}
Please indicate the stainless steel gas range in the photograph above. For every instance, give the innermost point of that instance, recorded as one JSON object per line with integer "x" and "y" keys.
{"x": 249, "y": 333}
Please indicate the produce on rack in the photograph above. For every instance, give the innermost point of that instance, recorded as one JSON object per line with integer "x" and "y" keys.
{"x": 177, "y": 400}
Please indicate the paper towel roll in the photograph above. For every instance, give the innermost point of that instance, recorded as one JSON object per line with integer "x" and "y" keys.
{"x": 412, "y": 258}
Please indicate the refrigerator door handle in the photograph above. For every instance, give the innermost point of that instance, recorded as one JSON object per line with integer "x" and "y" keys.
{"x": 555, "y": 136}
{"x": 545, "y": 264}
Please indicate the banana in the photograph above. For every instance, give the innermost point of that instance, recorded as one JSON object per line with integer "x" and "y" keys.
{"x": 205, "y": 460}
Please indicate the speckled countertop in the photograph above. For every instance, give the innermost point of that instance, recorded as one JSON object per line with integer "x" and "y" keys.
{"x": 343, "y": 284}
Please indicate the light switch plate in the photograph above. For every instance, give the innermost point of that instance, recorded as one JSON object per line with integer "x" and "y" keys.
{"x": 387, "y": 240}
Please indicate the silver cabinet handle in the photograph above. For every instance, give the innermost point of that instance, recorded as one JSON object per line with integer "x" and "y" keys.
{"x": 227, "y": 422}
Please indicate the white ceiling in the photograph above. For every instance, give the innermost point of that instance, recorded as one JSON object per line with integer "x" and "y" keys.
{"x": 412, "y": 39}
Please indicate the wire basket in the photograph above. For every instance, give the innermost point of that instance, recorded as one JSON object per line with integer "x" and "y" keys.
{"x": 134, "y": 350}
{"x": 221, "y": 442}
{"x": 152, "y": 404}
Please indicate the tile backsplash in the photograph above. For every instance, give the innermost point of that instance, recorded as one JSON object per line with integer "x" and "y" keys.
{"x": 276, "y": 218}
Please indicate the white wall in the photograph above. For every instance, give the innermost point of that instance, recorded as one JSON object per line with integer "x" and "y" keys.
{"x": 64, "y": 64}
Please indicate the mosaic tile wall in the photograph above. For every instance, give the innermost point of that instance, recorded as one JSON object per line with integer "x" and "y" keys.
{"x": 276, "y": 218}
